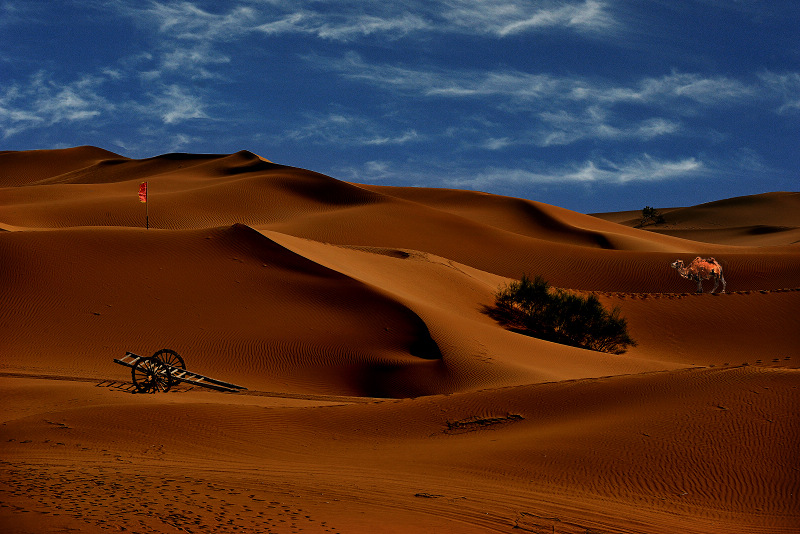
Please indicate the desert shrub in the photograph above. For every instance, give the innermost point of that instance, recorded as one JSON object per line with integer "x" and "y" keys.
{"x": 650, "y": 214}
{"x": 532, "y": 307}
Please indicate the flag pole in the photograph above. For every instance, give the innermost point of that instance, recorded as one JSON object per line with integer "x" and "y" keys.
{"x": 143, "y": 198}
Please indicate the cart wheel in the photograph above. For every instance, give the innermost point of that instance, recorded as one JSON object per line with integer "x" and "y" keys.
{"x": 170, "y": 357}
{"x": 150, "y": 375}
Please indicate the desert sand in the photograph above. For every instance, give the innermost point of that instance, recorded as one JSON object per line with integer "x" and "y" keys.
{"x": 380, "y": 395}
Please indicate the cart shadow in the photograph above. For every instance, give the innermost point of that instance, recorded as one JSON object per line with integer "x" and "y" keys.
{"x": 128, "y": 387}
{"x": 115, "y": 384}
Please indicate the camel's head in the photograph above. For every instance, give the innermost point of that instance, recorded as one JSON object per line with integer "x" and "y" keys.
{"x": 677, "y": 264}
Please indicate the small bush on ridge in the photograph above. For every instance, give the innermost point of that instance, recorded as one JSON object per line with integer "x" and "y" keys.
{"x": 650, "y": 214}
{"x": 533, "y": 308}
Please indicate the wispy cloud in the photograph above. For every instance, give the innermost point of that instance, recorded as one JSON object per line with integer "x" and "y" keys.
{"x": 190, "y": 34}
{"x": 643, "y": 168}
{"x": 564, "y": 109}
{"x": 43, "y": 101}
{"x": 348, "y": 20}
{"x": 340, "y": 20}
{"x": 533, "y": 86}
{"x": 185, "y": 20}
{"x": 562, "y": 127}
{"x": 443, "y": 82}
{"x": 787, "y": 86}
{"x": 193, "y": 61}
{"x": 151, "y": 140}
{"x": 174, "y": 104}
{"x": 498, "y": 143}
{"x": 10, "y": 13}
{"x": 707, "y": 90}
{"x": 186, "y": 39}
{"x": 346, "y": 129}
{"x": 509, "y": 18}
{"x": 558, "y": 128}
{"x": 339, "y": 27}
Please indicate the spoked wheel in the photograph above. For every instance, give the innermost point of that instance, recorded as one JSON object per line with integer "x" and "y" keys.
{"x": 150, "y": 375}
{"x": 170, "y": 357}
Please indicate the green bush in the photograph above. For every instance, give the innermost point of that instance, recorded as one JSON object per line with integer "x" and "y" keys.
{"x": 533, "y": 308}
{"x": 650, "y": 214}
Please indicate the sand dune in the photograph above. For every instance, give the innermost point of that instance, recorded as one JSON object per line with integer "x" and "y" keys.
{"x": 769, "y": 219}
{"x": 381, "y": 396}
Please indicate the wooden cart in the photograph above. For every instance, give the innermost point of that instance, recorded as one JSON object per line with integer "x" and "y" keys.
{"x": 166, "y": 368}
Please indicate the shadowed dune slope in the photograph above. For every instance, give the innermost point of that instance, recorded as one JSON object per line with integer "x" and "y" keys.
{"x": 229, "y": 299}
{"x": 31, "y": 166}
{"x": 382, "y": 396}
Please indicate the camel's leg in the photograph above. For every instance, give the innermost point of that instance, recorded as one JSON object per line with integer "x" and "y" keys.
{"x": 699, "y": 285}
{"x": 716, "y": 283}
{"x": 723, "y": 282}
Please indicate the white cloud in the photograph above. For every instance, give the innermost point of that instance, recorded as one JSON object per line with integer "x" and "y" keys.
{"x": 184, "y": 20}
{"x": 148, "y": 140}
{"x": 195, "y": 63}
{"x": 445, "y": 82}
{"x": 563, "y": 109}
{"x": 337, "y": 20}
{"x": 641, "y": 169}
{"x": 497, "y": 143}
{"x": 192, "y": 58}
{"x": 347, "y": 20}
{"x": 174, "y": 104}
{"x": 378, "y": 170}
{"x": 787, "y": 87}
{"x": 187, "y": 38}
{"x": 562, "y": 127}
{"x": 717, "y": 90}
{"x": 43, "y": 101}
{"x": 345, "y": 129}
{"x": 344, "y": 27}
{"x": 371, "y": 172}
{"x": 399, "y": 139}
{"x": 11, "y": 13}
{"x": 524, "y": 86}
{"x": 510, "y": 18}
{"x": 656, "y": 127}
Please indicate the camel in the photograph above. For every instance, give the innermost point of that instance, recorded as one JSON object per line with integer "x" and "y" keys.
{"x": 701, "y": 269}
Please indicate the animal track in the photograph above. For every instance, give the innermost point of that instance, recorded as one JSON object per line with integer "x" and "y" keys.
{"x": 130, "y": 501}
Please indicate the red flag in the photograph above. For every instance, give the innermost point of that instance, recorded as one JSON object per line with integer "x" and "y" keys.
{"x": 143, "y": 192}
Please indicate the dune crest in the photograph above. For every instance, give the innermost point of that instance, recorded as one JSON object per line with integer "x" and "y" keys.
{"x": 381, "y": 394}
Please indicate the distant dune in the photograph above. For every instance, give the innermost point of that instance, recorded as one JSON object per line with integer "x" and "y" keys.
{"x": 381, "y": 397}
{"x": 769, "y": 219}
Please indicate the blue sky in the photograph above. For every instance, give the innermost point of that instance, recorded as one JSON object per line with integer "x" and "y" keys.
{"x": 593, "y": 105}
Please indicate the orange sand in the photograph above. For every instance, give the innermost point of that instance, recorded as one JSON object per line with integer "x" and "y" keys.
{"x": 381, "y": 397}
